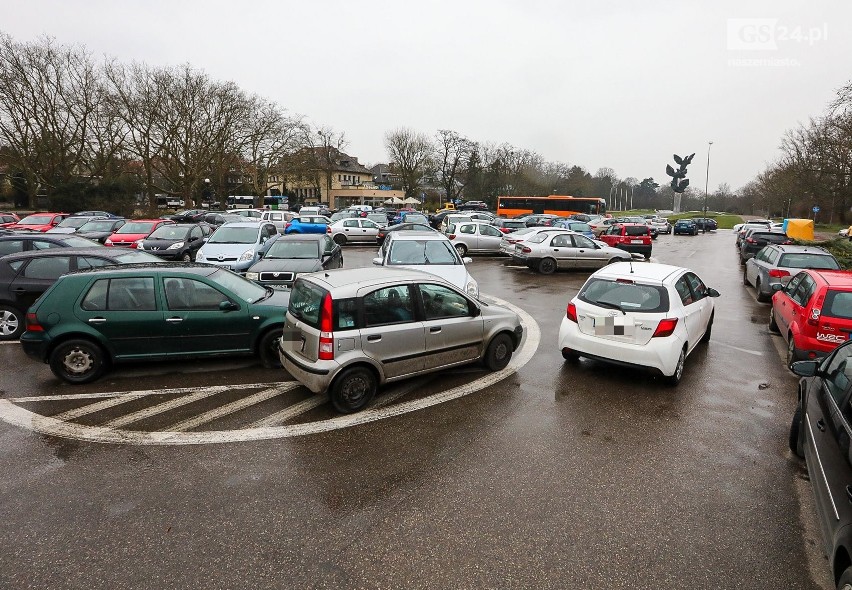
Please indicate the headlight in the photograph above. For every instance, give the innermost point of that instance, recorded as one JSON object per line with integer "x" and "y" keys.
{"x": 472, "y": 288}
{"x": 139, "y": 243}
{"x": 252, "y": 276}
{"x": 199, "y": 255}
{"x": 247, "y": 255}
{"x": 175, "y": 246}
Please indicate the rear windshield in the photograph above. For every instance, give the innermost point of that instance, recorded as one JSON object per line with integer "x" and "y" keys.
{"x": 305, "y": 302}
{"x": 98, "y": 226}
{"x": 635, "y": 230}
{"x": 79, "y": 242}
{"x": 773, "y": 238}
{"x": 422, "y": 252}
{"x": 633, "y": 297}
{"x": 808, "y": 260}
{"x": 838, "y": 304}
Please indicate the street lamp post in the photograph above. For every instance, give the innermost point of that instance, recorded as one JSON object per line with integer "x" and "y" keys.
{"x": 706, "y": 183}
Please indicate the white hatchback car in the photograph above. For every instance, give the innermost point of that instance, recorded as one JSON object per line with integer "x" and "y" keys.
{"x": 644, "y": 315}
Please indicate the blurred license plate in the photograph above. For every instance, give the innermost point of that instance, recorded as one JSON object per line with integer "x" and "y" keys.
{"x": 635, "y": 241}
{"x": 226, "y": 266}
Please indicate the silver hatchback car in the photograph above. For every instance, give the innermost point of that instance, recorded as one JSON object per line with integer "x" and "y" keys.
{"x": 777, "y": 263}
{"x": 349, "y": 331}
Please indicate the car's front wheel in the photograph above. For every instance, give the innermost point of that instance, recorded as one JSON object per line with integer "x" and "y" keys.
{"x": 187, "y": 257}
{"x": 78, "y": 361}
{"x": 499, "y": 352}
{"x": 267, "y": 349}
{"x": 793, "y": 353}
{"x": 461, "y": 249}
{"x": 353, "y": 390}
{"x": 11, "y": 323}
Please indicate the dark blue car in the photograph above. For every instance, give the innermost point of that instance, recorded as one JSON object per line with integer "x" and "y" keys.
{"x": 685, "y": 226}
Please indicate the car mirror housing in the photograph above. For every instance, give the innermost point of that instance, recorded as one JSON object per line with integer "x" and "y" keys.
{"x": 377, "y": 261}
{"x": 805, "y": 368}
{"x": 713, "y": 292}
{"x": 475, "y": 311}
{"x": 467, "y": 259}
{"x": 228, "y": 306}
{"x": 777, "y": 286}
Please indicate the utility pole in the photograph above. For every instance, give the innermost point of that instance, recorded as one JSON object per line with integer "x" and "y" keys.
{"x": 706, "y": 182}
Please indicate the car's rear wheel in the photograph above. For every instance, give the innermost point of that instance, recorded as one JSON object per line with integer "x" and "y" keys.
{"x": 761, "y": 296}
{"x": 745, "y": 276}
{"x": 773, "y": 325}
{"x": 796, "y": 439}
{"x": 353, "y": 390}
{"x": 793, "y": 353}
{"x": 546, "y": 266}
{"x": 267, "y": 349}
{"x": 340, "y": 239}
{"x": 675, "y": 378}
{"x": 461, "y": 249}
{"x": 78, "y": 361}
{"x": 11, "y": 323}
{"x": 499, "y": 352}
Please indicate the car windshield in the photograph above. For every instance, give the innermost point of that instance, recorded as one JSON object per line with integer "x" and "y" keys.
{"x": 74, "y": 222}
{"x": 243, "y": 288}
{"x": 136, "y": 227}
{"x": 78, "y": 242}
{"x": 423, "y": 252}
{"x": 132, "y": 256}
{"x": 36, "y": 220}
{"x": 581, "y": 227}
{"x": 538, "y": 238}
{"x": 416, "y": 218}
{"x": 808, "y": 260}
{"x": 234, "y": 235}
{"x": 626, "y": 296}
{"x": 169, "y": 232}
{"x": 342, "y": 215}
{"x": 97, "y": 226}
{"x": 378, "y": 217}
{"x": 635, "y": 230}
{"x": 293, "y": 249}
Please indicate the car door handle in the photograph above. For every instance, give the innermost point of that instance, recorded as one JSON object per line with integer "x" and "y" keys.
{"x": 374, "y": 338}
{"x": 20, "y": 290}
{"x": 174, "y": 320}
{"x": 821, "y": 425}
{"x": 434, "y": 329}
{"x": 97, "y": 320}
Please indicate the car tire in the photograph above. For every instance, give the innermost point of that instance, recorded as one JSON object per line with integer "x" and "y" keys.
{"x": 187, "y": 257}
{"x": 570, "y": 355}
{"x": 340, "y": 240}
{"x": 796, "y": 440}
{"x": 761, "y": 297}
{"x": 675, "y": 378}
{"x": 499, "y": 352}
{"x": 706, "y": 337}
{"x": 352, "y": 390}
{"x": 773, "y": 325}
{"x": 267, "y": 349}
{"x": 12, "y": 323}
{"x": 78, "y": 361}
{"x": 461, "y": 249}
{"x": 793, "y": 353}
{"x": 745, "y": 277}
{"x": 546, "y": 266}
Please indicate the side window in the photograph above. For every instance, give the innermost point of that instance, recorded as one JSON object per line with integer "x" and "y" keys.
{"x": 804, "y": 291}
{"x": 699, "y": 289}
{"x": 44, "y": 245}
{"x": 191, "y": 295}
{"x": 791, "y": 287}
{"x": 11, "y": 247}
{"x": 277, "y": 217}
{"x": 368, "y": 223}
{"x": 683, "y": 290}
{"x": 838, "y": 373}
{"x": 195, "y": 233}
{"x": 772, "y": 256}
{"x": 441, "y": 302}
{"x": 467, "y": 228}
{"x": 49, "y": 268}
{"x": 487, "y": 230}
{"x": 131, "y": 294}
{"x": 561, "y": 241}
{"x": 391, "y": 305}
{"x": 345, "y": 314}
{"x": 264, "y": 234}
{"x": 350, "y": 223}
{"x": 583, "y": 242}
{"x": 90, "y": 262}
{"x": 96, "y": 298}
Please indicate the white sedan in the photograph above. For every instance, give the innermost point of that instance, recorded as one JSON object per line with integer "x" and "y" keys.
{"x": 643, "y": 315}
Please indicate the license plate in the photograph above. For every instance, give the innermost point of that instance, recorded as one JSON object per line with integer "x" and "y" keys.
{"x": 635, "y": 241}
{"x": 226, "y": 266}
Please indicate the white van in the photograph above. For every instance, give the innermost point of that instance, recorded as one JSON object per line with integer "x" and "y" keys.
{"x": 309, "y": 211}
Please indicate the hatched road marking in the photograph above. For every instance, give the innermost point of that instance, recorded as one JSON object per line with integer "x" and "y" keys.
{"x": 270, "y": 427}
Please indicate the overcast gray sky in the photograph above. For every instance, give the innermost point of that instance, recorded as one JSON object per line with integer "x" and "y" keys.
{"x": 619, "y": 83}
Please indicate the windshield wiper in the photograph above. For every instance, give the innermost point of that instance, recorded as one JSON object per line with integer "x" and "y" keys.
{"x": 610, "y": 306}
{"x": 267, "y": 295}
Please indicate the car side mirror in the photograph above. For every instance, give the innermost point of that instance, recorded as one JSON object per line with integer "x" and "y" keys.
{"x": 228, "y": 306}
{"x": 377, "y": 261}
{"x": 467, "y": 259}
{"x": 713, "y": 292}
{"x": 777, "y": 287}
{"x": 260, "y": 254}
{"x": 805, "y": 368}
{"x": 475, "y": 312}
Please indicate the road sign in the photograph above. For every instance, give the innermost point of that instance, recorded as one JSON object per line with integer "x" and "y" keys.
{"x": 815, "y": 209}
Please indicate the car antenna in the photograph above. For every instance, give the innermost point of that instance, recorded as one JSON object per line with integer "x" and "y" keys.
{"x": 631, "y": 266}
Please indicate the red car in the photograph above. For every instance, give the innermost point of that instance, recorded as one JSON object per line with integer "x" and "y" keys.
{"x": 813, "y": 312}
{"x": 630, "y": 237}
{"x": 39, "y": 222}
{"x": 134, "y": 231}
{"x": 7, "y": 219}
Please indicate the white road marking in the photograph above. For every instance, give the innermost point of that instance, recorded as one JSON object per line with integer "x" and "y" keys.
{"x": 23, "y": 418}
{"x": 96, "y": 407}
{"x": 291, "y": 412}
{"x": 10, "y": 341}
{"x": 746, "y": 350}
{"x": 407, "y": 387}
{"x": 163, "y": 407}
{"x": 214, "y": 388}
{"x": 230, "y": 408}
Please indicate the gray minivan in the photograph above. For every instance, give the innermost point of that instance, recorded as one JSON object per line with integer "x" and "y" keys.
{"x": 349, "y": 331}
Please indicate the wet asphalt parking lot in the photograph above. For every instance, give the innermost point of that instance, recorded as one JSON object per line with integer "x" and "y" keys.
{"x": 223, "y": 474}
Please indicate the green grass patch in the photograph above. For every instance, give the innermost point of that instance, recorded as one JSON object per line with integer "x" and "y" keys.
{"x": 725, "y": 221}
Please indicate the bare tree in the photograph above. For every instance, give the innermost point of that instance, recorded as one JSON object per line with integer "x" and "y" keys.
{"x": 411, "y": 152}
{"x": 453, "y": 155}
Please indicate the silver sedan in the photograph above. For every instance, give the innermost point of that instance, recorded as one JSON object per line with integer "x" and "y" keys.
{"x": 548, "y": 251}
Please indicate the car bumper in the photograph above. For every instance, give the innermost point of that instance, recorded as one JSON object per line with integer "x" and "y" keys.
{"x": 240, "y": 267}
{"x": 35, "y": 345}
{"x": 659, "y": 355}
{"x": 165, "y": 254}
{"x": 317, "y": 376}
{"x": 644, "y": 249}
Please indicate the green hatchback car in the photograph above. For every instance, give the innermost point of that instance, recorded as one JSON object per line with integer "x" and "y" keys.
{"x": 147, "y": 312}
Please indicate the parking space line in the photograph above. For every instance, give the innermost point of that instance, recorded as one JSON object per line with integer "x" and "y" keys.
{"x": 163, "y": 407}
{"x": 291, "y": 412}
{"x": 405, "y": 389}
{"x": 230, "y": 408}
{"x": 96, "y": 407}
{"x": 176, "y": 390}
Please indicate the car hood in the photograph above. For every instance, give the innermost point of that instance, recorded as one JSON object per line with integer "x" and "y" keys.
{"x": 455, "y": 274}
{"x": 160, "y": 242}
{"x": 127, "y": 237}
{"x": 31, "y": 227}
{"x": 279, "y": 300}
{"x": 95, "y": 235}
{"x": 226, "y": 249}
{"x": 287, "y": 264}
{"x": 61, "y": 230}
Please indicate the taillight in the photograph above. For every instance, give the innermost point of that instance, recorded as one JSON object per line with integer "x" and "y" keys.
{"x": 328, "y": 229}
{"x": 751, "y": 240}
{"x": 571, "y": 313}
{"x": 777, "y": 273}
{"x": 108, "y": 242}
{"x": 505, "y": 230}
{"x": 287, "y": 225}
{"x": 451, "y": 236}
{"x": 32, "y": 323}
{"x": 665, "y": 328}
{"x": 526, "y": 249}
{"x": 326, "y": 339}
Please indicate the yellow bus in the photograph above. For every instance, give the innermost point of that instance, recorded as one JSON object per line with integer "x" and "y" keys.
{"x": 562, "y": 205}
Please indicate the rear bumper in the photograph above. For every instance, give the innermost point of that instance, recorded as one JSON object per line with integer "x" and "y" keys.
{"x": 315, "y": 376}
{"x": 644, "y": 249}
{"x": 35, "y": 345}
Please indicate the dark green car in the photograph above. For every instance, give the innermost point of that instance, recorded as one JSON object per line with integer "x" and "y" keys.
{"x": 147, "y": 312}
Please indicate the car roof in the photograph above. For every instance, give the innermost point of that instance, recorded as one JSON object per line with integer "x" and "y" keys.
{"x": 832, "y": 278}
{"x": 35, "y": 234}
{"x": 795, "y": 248}
{"x": 417, "y": 234}
{"x": 301, "y": 238}
{"x": 49, "y": 252}
{"x": 203, "y": 270}
{"x": 647, "y": 271}
{"x": 360, "y": 277}
{"x": 254, "y": 224}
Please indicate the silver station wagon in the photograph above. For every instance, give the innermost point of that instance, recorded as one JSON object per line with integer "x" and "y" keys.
{"x": 349, "y": 331}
